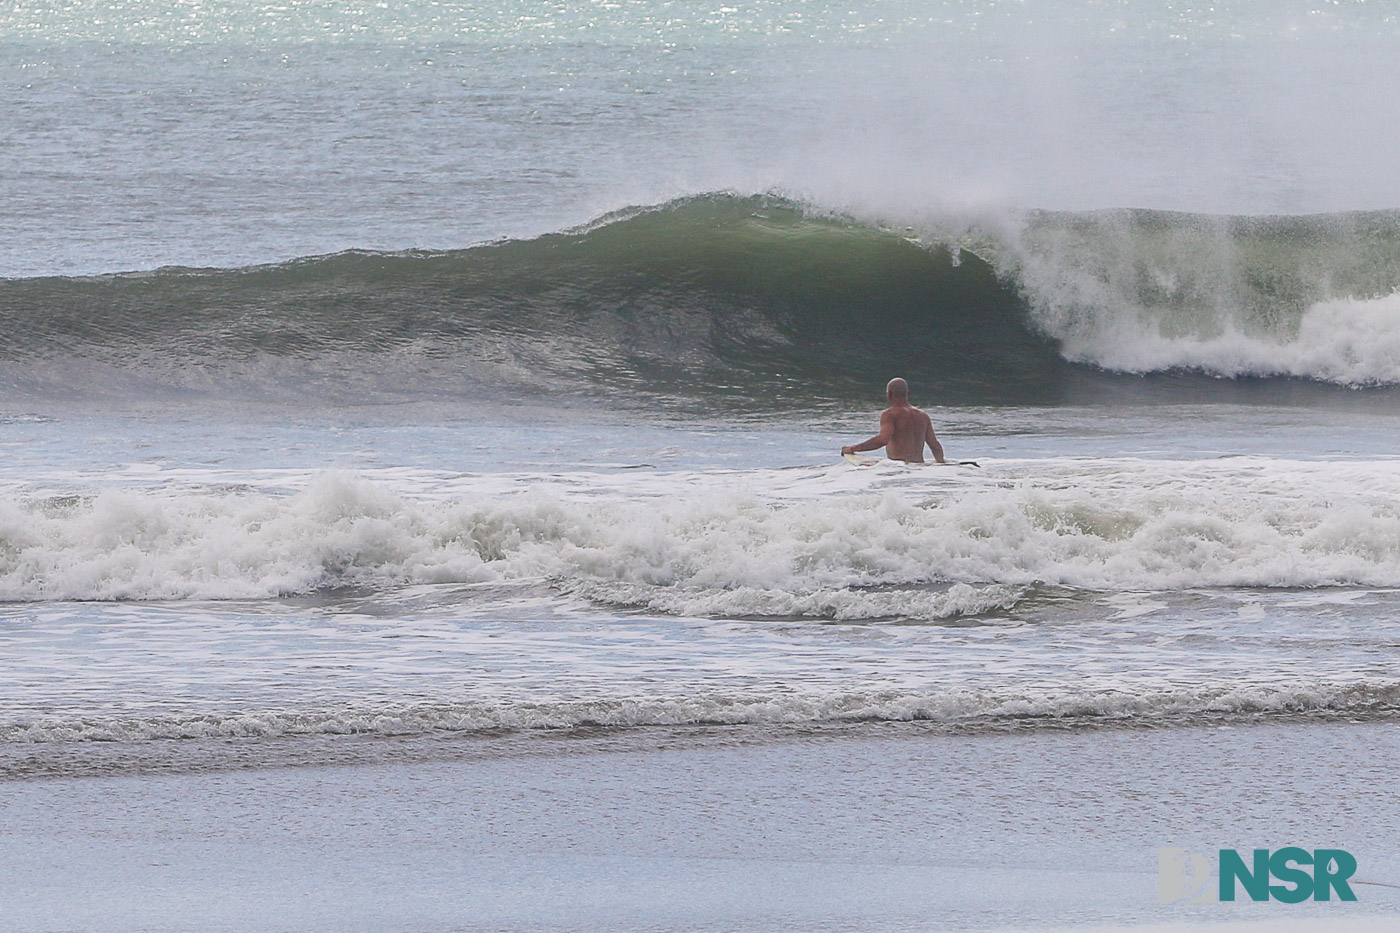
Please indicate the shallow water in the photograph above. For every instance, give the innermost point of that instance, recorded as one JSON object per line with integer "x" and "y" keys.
{"x": 869, "y": 827}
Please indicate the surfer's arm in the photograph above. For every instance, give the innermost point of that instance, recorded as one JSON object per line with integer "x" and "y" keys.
{"x": 932, "y": 440}
{"x": 876, "y": 442}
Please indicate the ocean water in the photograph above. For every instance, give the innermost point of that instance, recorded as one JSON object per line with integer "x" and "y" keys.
{"x": 439, "y": 373}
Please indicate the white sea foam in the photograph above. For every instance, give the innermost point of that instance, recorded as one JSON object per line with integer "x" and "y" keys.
{"x": 757, "y": 543}
{"x": 1348, "y": 341}
{"x": 1311, "y": 299}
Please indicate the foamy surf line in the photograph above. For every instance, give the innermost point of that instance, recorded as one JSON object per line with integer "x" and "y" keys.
{"x": 789, "y": 542}
{"x": 962, "y": 710}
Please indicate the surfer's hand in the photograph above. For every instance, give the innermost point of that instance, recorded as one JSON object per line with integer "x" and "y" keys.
{"x": 847, "y": 450}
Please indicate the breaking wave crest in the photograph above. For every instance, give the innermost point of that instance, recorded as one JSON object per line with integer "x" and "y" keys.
{"x": 1143, "y": 292}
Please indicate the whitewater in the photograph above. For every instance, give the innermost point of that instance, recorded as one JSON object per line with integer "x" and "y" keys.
{"x": 1089, "y": 523}
{"x": 420, "y": 494}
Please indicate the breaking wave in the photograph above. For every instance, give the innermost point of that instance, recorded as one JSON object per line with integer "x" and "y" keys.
{"x": 730, "y": 551}
{"x": 730, "y": 300}
{"x": 965, "y": 710}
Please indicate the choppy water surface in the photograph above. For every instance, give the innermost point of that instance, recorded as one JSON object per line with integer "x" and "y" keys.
{"x": 483, "y": 368}
{"x": 736, "y": 575}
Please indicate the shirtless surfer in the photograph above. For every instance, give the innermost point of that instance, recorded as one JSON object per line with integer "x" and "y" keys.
{"x": 904, "y": 429}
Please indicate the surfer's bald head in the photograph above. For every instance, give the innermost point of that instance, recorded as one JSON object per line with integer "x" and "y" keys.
{"x": 897, "y": 388}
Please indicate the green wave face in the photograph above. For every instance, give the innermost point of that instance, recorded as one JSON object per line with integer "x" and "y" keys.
{"x": 737, "y": 302}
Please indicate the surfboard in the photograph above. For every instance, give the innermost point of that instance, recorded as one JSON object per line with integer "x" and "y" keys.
{"x": 858, "y": 460}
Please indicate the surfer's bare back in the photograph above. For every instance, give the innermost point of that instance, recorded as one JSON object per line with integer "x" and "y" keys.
{"x": 904, "y": 429}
